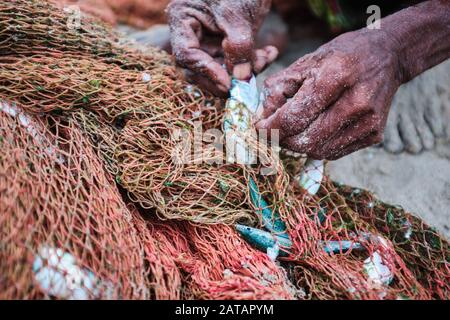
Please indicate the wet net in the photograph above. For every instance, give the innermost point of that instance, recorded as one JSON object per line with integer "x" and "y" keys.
{"x": 94, "y": 204}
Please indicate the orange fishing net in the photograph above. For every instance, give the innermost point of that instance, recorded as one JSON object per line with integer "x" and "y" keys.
{"x": 94, "y": 204}
{"x": 55, "y": 196}
{"x": 67, "y": 233}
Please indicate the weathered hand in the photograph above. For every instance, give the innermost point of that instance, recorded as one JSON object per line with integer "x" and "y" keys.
{"x": 336, "y": 100}
{"x": 205, "y": 33}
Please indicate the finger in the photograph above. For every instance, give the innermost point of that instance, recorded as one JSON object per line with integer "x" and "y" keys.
{"x": 264, "y": 57}
{"x": 277, "y": 89}
{"x": 370, "y": 140}
{"x": 283, "y": 85}
{"x": 238, "y": 48}
{"x": 433, "y": 114}
{"x": 338, "y": 121}
{"x": 418, "y": 105}
{"x": 242, "y": 71}
{"x": 308, "y": 103}
{"x": 409, "y": 134}
{"x": 425, "y": 133}
{"x": 186, "y": 47}
{"x": 392, "y": 141}
{"x": 364, "y": 132}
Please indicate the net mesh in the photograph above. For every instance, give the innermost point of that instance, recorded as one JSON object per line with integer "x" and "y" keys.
{"x": 55, "y": 195}
{"x": 95, "y": 206}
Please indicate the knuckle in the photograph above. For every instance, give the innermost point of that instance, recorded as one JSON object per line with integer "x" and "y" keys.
{"x": 239, "y": 44}
{"x": 241, "y": 41}
{"x": 341, "y": 62}
{"x": 240, "y": 36}
{"x": 275, "y": 85}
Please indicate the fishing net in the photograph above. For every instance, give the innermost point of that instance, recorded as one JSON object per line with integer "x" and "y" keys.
{"x": 67, "y": 233}
{"x": 136, "y": 13}
{"x": 96, "y": 204}
{"x": 56, "y": 199}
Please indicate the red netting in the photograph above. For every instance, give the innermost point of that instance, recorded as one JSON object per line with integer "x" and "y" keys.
{"x": 94, "y": 204}
{"x": 66, "y": 232}
{"x": 55, "y": 195}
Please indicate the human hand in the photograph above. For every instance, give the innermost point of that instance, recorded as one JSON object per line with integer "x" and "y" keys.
{"x": 205, "y": 34}
{"x": 335, "y": 100}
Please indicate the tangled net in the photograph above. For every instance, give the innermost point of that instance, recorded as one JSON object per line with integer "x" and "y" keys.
{"x": 94, "y": 204}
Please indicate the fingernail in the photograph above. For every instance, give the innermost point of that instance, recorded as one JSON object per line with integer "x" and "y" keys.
{"x": 242, "y": 71}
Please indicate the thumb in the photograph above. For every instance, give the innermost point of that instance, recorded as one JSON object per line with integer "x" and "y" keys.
{"x": 238, "y": 48}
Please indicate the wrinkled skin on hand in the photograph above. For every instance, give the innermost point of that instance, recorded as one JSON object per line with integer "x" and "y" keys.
{"x": 336, "y": 100}
{"x": 207, "y": 33}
